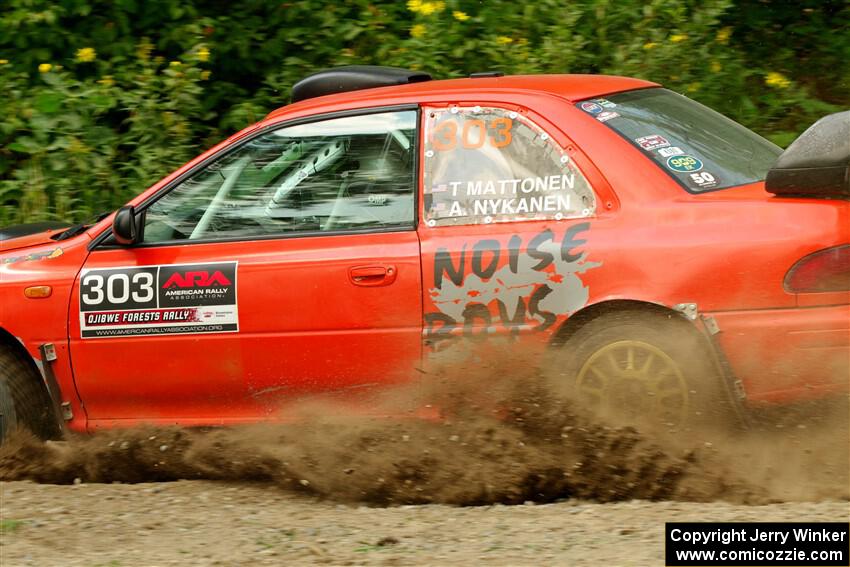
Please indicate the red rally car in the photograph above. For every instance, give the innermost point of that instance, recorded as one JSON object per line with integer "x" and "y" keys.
{"x": 385, "y": 224}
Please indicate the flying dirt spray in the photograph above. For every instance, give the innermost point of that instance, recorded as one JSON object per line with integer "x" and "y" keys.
{"x": 523, "y": 443}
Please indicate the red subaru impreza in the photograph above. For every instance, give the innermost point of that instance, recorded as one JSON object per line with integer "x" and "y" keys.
{"x": 384, "y": 224}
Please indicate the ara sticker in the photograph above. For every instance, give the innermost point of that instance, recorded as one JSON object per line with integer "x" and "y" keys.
{"x": 158, "y": 300}
{"x": 606, "y": 116}
{"x": 653, "y": 142}
{"x": 704, "y": 180}
{"x": 684, "y": 163}
{"x": 604, "y": 102}
{"x": 591, "y": 107}
{"x": 671, "y": 151}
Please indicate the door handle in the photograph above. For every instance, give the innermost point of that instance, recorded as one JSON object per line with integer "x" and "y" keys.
{"x": 372, "y": 276}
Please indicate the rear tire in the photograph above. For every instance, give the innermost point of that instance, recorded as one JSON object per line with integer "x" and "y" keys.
{"x": 24, "y": 403}
{"x": 643, "y": 369}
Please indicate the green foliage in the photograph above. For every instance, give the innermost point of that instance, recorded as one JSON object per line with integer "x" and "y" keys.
{"x": 103, "y": 98}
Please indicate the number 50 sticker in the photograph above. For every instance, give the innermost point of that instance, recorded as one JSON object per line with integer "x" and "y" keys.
{"x": 704, "y": 179}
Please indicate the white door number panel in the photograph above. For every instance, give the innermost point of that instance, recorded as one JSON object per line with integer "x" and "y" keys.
{"x": 158, "y": 300}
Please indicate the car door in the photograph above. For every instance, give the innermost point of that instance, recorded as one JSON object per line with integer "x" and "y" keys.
{"x": 507, "y": 214}
{"x": 285, "y": 266}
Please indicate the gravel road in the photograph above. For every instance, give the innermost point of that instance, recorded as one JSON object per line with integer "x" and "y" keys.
{"x": 351, "y": 491}
{"x": 214, "y": 523}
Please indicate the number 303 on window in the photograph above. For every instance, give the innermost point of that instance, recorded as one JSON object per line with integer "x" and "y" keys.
{"x": 472, "y": 135}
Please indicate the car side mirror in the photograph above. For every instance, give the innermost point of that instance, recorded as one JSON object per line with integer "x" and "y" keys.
{"x": 124, "y": 226}
{"x": 817, "y": 163}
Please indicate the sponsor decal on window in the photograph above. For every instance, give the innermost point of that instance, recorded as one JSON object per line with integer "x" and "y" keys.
{"x": 671, "y": 151}
{"x": 653, "y": 142}
{"x": 591, "y": 107}
{"x": 606, "y": 116}
{"x": 158, "y": 300}
{"x": 704, "y": 180}
{"x": 684, "y": 164}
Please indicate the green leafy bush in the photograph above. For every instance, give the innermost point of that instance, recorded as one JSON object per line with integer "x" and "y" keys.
{"x": 102, "y": 98}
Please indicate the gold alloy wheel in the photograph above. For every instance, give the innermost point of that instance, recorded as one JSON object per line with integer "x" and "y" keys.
{"x": 634, "y": 380}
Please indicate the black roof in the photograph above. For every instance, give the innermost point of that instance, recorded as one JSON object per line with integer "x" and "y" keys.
{"x": 353, "y": 78}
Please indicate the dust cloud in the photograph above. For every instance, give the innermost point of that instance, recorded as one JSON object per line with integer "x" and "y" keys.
{"x": 522, "y": 443}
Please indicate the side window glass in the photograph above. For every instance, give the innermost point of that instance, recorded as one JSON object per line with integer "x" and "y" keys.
{"x": 486, "y": 165}
{"x": 340, "y": 174}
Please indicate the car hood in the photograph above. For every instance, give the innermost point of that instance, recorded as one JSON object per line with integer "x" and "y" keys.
{"x": 26, "y": 235}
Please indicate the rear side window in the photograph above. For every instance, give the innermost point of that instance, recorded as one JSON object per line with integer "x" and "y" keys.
{"x": 700, "y": 148}
{"x": 485, "y": 165}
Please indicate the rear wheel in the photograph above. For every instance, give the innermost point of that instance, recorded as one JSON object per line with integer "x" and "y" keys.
{"x": 640, "y": 368}
{"x": 23, "y": 401}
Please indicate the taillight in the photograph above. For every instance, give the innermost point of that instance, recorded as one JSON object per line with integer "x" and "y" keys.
{"x": 824, "y": 270}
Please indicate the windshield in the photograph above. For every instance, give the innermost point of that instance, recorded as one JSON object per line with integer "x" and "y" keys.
{"x": 700, "y": 148}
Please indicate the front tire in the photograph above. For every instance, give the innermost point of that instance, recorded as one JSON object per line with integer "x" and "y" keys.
{"x": 24, "y": 403}
{"x": 643, "y": 369}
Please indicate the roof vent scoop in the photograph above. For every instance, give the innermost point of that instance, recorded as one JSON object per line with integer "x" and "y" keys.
{"x": 353, "y": 78}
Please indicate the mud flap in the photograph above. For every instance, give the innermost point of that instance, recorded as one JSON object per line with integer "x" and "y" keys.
{"x": 48, "y": 354}
{"x": 732, "y": 386}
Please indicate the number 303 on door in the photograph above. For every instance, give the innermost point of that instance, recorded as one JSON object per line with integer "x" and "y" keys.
{"x": 130, "y": 288}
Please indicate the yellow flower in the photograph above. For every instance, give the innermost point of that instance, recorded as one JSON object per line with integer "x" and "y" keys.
{"x": 203, "y": 55}
{"x": 4, "y": 61}
{"x": 418, "y": 31}
{"x": 174, "y": 64}
{"x": 45, "y": 68}
{"x": 77, "y": 147}
{"x": 86, "y": 55}
{"x": 107, "y": 81}
{"x": 504, "y": 40}
{"x": 425, "y": 8}
{"x": 723, "y": 35}
{"x": 678, "y": 37}
{"x": 715, "y": 66}
{"x": 650, "y": 45}
{"x": 205, "y": 75}
{"x": 143, "y": 50}
{"x": 693, "y": 87}
{"x": 778, "y": 80}
{"x": 460, "y": 16}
